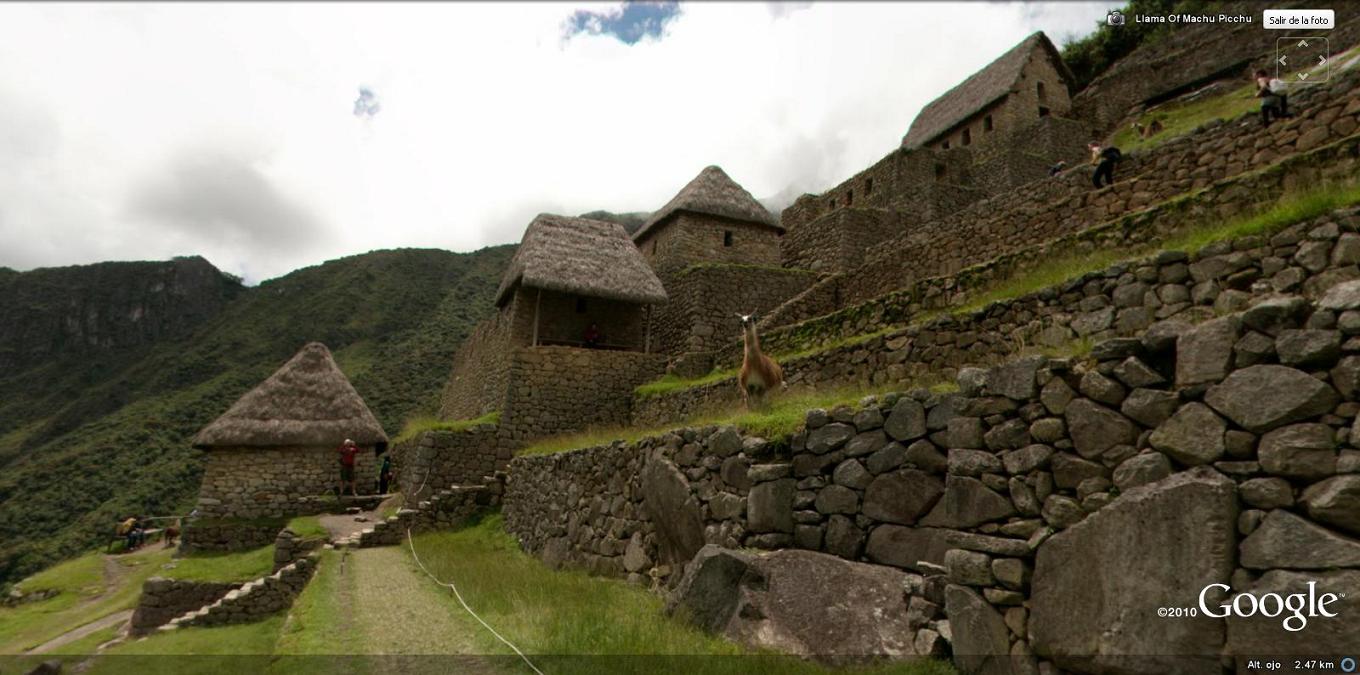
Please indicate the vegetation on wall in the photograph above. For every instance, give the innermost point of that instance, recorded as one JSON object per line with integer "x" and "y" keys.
{"x": 1092, "y": 55}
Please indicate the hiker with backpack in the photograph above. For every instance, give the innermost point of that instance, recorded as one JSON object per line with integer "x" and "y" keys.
{"x": 1104, "y": 160}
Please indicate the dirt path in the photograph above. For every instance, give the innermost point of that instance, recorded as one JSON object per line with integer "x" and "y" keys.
{"x": 398, "y": 610}
{"x": 71, "y": 636}
{"x": 341, "y": 525}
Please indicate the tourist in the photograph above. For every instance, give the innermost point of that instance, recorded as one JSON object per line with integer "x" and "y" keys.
{"x": 348, "y": 451}
{"x": 1104, "y": 160}
{"x": 385, "y": 474}
{"x": 125, "y": 530}
{"x": 592, "y": 336}
{"x": 1057, "y": 168}
{"x": 1274, "y": 102}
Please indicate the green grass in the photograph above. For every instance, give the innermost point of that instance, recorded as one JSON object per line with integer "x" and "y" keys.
{"x": 315, "y": 625}
{"x": 420, "y": 424}
{"x": 308, "y": 527}
{"x": 1179, "y": 118}
{"x": 569, "y": 614}
{"x": 671, "y": 382}
{"x": 230, "y": 567}
{"x": 85, "y": 595}
{"x": 781, "y": 415}
{"x": 1290, "y": 209}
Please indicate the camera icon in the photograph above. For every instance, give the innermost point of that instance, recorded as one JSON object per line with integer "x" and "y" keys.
{"x": 1114, "y": 18}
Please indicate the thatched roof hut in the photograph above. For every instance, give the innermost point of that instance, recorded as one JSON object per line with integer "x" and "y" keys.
{"x": 583, "y": 257}
{"x": 982, "y": 89}
{"x": 712, "y": 193}
{"x": 307, "y": 402}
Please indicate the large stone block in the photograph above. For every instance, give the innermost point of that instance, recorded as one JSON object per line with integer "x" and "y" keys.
{"x": 967, "y": 502}
{"x": 1261, "y": 398}
{"x": 981, "y": 640}
{"x": 1107, "y": 622}
{"x": 1285, "y": 540}
{"x": 1204, "y": 353}
{"x": 675, "y": 512}
{"x": 901, "y": 497}
{"x": 1193, "y": 436}
{"x": 1095, "y": 428}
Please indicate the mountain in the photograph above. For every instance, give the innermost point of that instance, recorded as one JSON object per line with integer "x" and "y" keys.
{"x": 96, "y": 421}
{"x": 630, "y": 221}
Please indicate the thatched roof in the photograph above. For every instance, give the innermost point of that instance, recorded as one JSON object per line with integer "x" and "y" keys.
{"x": 979, "y": 91}
{"x": 715, "y": 193}
{"x": 306, "y": 402}
{"x": 581, "y": 256}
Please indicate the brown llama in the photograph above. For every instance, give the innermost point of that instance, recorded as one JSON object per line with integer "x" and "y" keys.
{"x": 759, "y": 373}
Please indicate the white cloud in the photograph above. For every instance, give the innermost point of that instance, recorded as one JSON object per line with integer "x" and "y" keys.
{"x": 488, "y": 117}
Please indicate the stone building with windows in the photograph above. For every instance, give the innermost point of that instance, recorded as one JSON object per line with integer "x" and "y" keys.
{"x": 273, "y": 452}
{"x": 711, "y": 220}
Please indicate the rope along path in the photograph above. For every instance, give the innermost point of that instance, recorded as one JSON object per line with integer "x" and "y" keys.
{"x": 411, "y": 542}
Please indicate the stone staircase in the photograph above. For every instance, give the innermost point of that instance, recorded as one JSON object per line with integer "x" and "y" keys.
{"x": 253, "y": 601}
{"x": 443, "y": 510}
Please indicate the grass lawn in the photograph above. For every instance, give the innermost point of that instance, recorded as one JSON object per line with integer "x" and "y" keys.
{"x": 582, "y": 624}
{"x": 415, "y": 426}
{"x": 781, "y": 416}
{"x": 85, "y": 594}
{"x": 308, "y": 527}
{"x": 238, "y": 566}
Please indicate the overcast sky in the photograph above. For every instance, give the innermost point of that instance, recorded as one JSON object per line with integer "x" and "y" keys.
{"x": 268, "y": 137}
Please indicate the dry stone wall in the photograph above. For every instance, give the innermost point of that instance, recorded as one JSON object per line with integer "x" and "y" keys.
{"x": 1218, "y": 453}
{"x": 253, "y": 601}
{"x": 437, "y": 459}
{"x": 560, "y": 389}
{"x": 1051, "y": 208}
{"x": 1306, "y": 258}
{"x": 706, "y": 299}
{"x": 1223, "y": 200}
{"x": 481, "y": 367}
{"x": 228, "y": 534}
{"x": 165, "y": 599}
{"x": 445, "y": 509}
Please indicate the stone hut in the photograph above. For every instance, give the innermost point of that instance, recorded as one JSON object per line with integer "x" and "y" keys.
{"x": 712, "y": 219}
{"x": 274, "y": 449}
{"x": 570, "y": 273}
{"x": 1027, "y": 83}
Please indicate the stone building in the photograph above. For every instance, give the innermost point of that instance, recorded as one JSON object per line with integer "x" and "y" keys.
{"x": 1027, "y": 83}
{"x": 570, "y": 273}
{"x": 711, "y": 220}
{"x": 275, "y": 447}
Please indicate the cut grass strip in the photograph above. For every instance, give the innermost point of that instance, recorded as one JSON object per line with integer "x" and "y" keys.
{"x": 415, "y": 426}
{"x": 587, "y": 624}
{"x": 224, "y": 567}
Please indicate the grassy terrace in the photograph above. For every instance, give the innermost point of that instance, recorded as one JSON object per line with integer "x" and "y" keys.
{"x": 415, "y": 426}
{"x": 1181, "y": 117}
{"x": 1289, "y": 209}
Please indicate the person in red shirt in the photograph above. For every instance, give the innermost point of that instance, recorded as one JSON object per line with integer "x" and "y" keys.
{"x": 347, "y": 453}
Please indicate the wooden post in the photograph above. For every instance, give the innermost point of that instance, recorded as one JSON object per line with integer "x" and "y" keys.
{"x": 537, "y": 301}
{"x": 647, "y": 341}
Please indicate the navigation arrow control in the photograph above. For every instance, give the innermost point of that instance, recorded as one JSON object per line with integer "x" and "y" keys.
{"x": 1282, "y": 59}
{"x": 1303, "y": 43}
{"x": 1303, "y": 76}
{"x": 1322, "y": 60}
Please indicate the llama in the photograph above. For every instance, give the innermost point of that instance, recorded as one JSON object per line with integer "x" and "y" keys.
{"x": 759, "y": 373}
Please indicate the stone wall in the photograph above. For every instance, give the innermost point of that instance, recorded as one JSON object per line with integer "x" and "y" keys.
{"x": 1121, "y": 300}
{"x": 435, "y": 460}
{"x": 836, "y": 241}
{"x": 564, "y": 317}
{"x": 275, "y": 482}
{"x": 1048, "y": 209}
{"x": 1039, "y": 94}
{"x": 220, "y": 535}
{"x": 164, "y": 599}
{"x": 689, "y": 238}
{"x": 446, "y": 509}
{"x": 556, "y": 390}
{"x": 481, "y": 366}
{"x": 289, "y": 548}
{"x": 706, "y": 299}
{"x": 1228, "y": 198}
{"x": 1222, "y": 452}
{"x": 253, "y": 601}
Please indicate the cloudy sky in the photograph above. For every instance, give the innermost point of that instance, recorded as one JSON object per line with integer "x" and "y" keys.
{"x": 268, "y": 137}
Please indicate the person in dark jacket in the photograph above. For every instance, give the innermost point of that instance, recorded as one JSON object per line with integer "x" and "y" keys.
{"x": 1104, "y": 160}
{"x": 385, "y": 474}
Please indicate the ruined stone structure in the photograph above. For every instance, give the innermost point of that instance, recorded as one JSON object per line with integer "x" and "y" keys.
{"x": 711, "y": 219}
{"x": 274, "y": 451}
